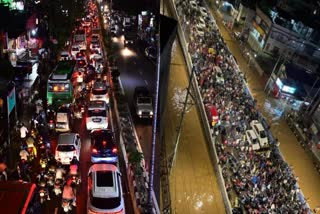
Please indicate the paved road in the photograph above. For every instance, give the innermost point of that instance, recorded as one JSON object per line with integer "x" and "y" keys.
{"x": 309, "y": 179}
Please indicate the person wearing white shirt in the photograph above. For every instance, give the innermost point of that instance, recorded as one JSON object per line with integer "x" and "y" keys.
{"x": 24, "y": 155}
{"x": 23, "y": 132}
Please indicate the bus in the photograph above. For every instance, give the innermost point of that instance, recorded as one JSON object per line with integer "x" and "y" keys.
{"x": 60, "y": 84}
{"x": 19, "y": 197}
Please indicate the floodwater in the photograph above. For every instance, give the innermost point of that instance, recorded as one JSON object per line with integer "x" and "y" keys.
{"x": 193, "y": 184}
{"x": 273, "y": 109}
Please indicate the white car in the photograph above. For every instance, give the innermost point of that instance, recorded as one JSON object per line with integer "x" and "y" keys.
{"x": 260, "y": 132}
{"x": 201, "y": 23}
{"x": 95, "y": 38}
{"x": 95, "y": 47}
{"x": 199, "y": 31}
{"x": 252, "y": 139}
{"x": 69, "y": 145}
{"x": 64, "y": 55}
{"x": 105, "y": 190}
{"x": 193, "y": 5}
{"x": 97, "y": 115}
{"x": 74, "y": 50}
{"x": 203, "y": 11}
{"x": 100, "y": 91}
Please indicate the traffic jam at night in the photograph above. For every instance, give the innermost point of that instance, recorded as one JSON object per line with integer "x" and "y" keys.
{"x": 68, "y": 158}
{"x": 101, "y": 112}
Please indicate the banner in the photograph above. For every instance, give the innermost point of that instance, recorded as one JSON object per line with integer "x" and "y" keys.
{"x": 11, "y": 100}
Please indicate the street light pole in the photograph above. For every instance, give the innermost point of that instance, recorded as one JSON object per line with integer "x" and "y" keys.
{"x": 181, "y": 120}
{"x": 272, "y": 73}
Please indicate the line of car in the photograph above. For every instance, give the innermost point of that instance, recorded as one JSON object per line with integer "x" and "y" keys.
{"x": 105, "y": 193}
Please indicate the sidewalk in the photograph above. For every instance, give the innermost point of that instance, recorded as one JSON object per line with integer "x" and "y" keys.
{"x": 25, "y": 110}
{"x": 273, "y": 110}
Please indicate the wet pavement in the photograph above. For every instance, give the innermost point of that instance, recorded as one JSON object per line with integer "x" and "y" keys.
{"x": 273, "y": 110}
{"x": 193, "y": 186}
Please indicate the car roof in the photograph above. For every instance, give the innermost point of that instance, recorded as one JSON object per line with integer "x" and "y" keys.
{"x": 258, "y": 125}
{"x": 103, "y": 167}
{"x": 66, "y": 138}
{"x": 252, "y": 133}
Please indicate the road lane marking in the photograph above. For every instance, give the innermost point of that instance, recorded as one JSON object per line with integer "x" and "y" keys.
{"x": 146, "y": 82}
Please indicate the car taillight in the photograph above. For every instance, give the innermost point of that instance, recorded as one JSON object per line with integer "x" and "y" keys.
{"x": 50, "y": 121}
{"x": 74, "y": 153}
{"x": 114, "y": 150}
{"x": 94, "y": 151}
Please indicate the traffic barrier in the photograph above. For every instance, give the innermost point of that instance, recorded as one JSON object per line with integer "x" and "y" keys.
{"x": 138, "y": 185}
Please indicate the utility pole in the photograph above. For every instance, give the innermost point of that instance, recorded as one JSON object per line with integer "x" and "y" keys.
{"x": 155, "y": 119}
{"x": 272, "y": 74}
{"x": 181, "y": 120}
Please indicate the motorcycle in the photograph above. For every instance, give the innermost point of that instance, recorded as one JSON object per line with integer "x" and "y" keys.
{"x": 66, "y": 205}
{"x": 43, "y": 162}
{"x": 51, "y": 175}
{"x": 57, "y": 186}
{"x": 43, "y": 191}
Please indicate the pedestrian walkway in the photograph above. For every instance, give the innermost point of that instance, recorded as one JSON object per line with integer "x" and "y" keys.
{"x": 272, "y": 109}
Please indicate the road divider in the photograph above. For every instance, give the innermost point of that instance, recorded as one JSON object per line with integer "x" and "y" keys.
{"x": 137, "y": 174}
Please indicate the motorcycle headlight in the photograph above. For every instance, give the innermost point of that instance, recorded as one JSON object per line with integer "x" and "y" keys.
{"x": 151, "y": 112}
{"x": 41, "y": 194}
{"x": 139, "y": 112}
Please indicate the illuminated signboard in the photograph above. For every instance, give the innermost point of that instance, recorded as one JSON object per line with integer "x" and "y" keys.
{"x": 11, "y": 100}
{"x": 288, "y": 89}
{"x": 279, "y": 83}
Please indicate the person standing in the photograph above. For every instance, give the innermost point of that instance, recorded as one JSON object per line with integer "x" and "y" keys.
{"x": 23, "y": 132}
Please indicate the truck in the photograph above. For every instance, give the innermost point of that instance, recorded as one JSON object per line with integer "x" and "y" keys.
{"x": 143, "y": 104}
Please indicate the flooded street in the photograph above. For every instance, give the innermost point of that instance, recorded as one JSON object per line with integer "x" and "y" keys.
{"x": 272, "y": 109}
{"x": 193, "y": 184}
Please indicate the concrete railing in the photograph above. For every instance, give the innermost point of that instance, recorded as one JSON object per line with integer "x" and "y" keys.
{"x": 138, "y": 184}
{"x": 201, "y": 110}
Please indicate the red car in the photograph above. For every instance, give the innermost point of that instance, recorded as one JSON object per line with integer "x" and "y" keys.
{"x": 212, "y": 114}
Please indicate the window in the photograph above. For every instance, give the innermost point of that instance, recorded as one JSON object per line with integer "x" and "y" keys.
{"x": 99, "y": 91}
{"x": 142, "y": 100}
{"x": 97, "y": 113}
{"x": 104, "y": 179}
{"x": 65, "y": 148}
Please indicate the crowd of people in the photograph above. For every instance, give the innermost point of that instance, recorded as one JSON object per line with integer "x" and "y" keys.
{"x": 256, "y": 182}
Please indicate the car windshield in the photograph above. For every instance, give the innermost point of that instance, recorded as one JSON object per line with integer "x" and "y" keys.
{"x": 101, "y": 136}
{"x": 263, "y": 134}
{"x": 254, "y": 141}
{"x": 105, "y": 203}
{"x": 99, "y": 91}
{"x": 65, "y": 148}
{"x": 144, "y": 100}
{"x": 104, "y": 179}
{"x": 97, "y": 113}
